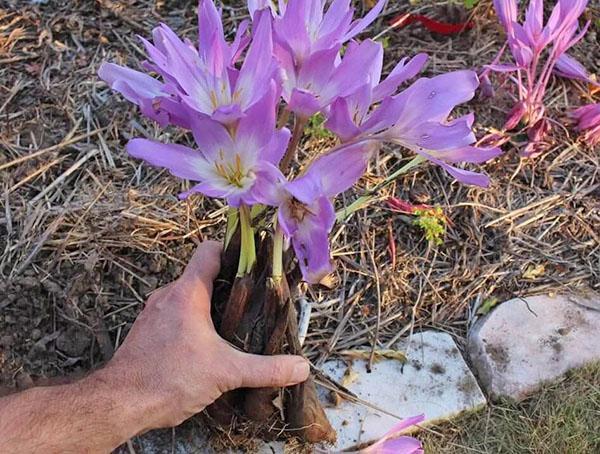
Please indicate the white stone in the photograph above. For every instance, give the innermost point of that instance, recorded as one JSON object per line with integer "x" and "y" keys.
{"x": 528, "y": 341}
{"x": 435, "y": 381}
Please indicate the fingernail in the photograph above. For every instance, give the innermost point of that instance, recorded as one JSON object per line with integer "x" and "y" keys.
{"x": 300, "y": 372}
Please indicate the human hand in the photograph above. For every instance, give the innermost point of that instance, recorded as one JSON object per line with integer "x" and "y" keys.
{"x": 173, "y": 360}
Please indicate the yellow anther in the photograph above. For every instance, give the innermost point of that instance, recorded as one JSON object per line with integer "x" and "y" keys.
{"x": 213, "y": 99}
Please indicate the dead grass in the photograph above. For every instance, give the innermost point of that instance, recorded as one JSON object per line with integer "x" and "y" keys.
{"x": 560, "y": 419}
{"x": 86, "y": 232}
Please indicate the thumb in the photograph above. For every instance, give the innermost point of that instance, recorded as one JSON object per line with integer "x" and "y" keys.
{"x": 264, "y": 371}
{"x": 204, "y": 264}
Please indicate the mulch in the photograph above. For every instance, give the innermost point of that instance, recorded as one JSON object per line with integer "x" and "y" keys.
{"x": 86, "y": 232}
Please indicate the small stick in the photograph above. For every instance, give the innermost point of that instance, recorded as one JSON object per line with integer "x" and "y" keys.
{"x": 303, "y": 320}
{"x": 19, "y": 85}
{"x": 33, "y": 175}
{"x": 49, "y": 231}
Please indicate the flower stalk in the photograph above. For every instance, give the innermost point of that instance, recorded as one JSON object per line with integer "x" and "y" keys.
{"x": 367, "y": 198}
{"x": 292, "y": 150}
{"x": 248, "y": 248}
{"x": 233, "y": 218}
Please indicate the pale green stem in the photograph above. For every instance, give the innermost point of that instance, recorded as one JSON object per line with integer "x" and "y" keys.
{"x": 247, "y": 248}
{"x": 232, "y": 223}
{"x": 364, "y": 200}
{"x": 256, "y": 210}
{"x": 277, "y": 271}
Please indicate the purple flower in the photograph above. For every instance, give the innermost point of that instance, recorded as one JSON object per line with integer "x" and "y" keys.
{"x": 417, "y": 119}
{"x": 303, "y": 28}
{"x": 199, "y": 81}
{"x": 537, "y": 135}
{"x": 147, "y": 93}
{"x": 532, "y": 62}
{"x": 391, "y": 443}
{"x": 306, "y": 214}
{"x": 515, "y": 115}
{"x": 324, "y": 76}
{"x": 350, "y": 116}
{"x": 570, "y": 68}
{"x": 423, "y": 126}
{"x": 588, "y": 123}
{"x": 527, "y": 40}
{"x": 307, "y": 45}
{"x": 228, "y": 161}
{"x": 307, "y": 55}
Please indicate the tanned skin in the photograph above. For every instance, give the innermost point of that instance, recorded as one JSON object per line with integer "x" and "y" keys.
{"x": 170, "y": 367}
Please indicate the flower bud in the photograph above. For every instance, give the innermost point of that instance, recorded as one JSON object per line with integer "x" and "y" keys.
{"x": 515, "y": 115}
{"x": 487, "y": 89}
{"x": 539, "y": 130}
{"x": 536, "y": 134}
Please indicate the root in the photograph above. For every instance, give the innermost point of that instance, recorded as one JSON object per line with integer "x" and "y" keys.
{"x": 259, "y": 316}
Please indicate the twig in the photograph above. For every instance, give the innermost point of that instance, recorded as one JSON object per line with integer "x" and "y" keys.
{"x": 64, "y": 175}
{"x": 56, "y": 147}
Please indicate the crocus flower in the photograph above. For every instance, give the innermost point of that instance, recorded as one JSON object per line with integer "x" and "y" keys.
{"x": 323, "y": 77}
{"x": 350, "y": 115}
{"x": 306, "y": 214}
{"x": 307, "y": 45}
{"x": 423, "y": 125}
{"x": 204, "y": 80}
{"x": 568, "y": 67}
{"x": 226, "y": 164}
{"x": 303, "y": 28}
{"x": 394, "y": 443}
{"x": 417, "y": 119}
{"x": 147, "y": 93}
{"x": 588, "y": 123}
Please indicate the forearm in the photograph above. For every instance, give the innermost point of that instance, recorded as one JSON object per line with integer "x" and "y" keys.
{"x": 95, "y": 414}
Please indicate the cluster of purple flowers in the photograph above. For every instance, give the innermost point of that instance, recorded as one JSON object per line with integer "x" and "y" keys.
{"x": 297, "y": 58}
{"x": 538, "y": 51}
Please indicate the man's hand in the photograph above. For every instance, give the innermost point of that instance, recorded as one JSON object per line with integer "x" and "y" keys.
{"x": 171, "y": 365}
{"x": 174, "y": 353}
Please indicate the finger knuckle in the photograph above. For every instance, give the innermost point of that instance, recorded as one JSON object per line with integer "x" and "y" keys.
{"x": 276, "y": 370}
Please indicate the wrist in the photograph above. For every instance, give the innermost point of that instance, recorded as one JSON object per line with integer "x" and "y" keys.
{"x": 133, "y": 407}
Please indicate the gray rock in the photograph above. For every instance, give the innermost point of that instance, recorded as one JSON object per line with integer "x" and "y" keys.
{"x": 528, "y": 341}
{"x": 435, "y": 382}
{"x": 193, "y": 438}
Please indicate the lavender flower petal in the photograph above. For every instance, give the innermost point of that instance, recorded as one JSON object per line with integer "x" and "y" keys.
{"x": 568, "y": 67}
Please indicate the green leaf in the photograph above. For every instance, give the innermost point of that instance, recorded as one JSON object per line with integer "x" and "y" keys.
{"x": 316, "y": 127}
{"x": 433, "y": 223}
{"x": 487, "y": 305}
